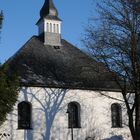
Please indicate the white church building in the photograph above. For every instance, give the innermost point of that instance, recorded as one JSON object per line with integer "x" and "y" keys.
{"x": 64, "y": 94}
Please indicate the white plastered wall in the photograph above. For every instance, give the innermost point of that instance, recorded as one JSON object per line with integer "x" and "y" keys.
{"x": 50, "y": 120}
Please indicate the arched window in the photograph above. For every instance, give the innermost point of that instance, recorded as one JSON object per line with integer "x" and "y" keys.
{"x": 116, "y": 114}
{"x": 74, "y": 115}
{"x": 24, "y": 115}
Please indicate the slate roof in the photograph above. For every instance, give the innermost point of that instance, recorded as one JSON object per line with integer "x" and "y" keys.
{"x": 59, "y": 67}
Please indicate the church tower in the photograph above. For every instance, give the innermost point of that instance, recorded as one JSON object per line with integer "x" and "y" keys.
{"x": 49, "y": 24}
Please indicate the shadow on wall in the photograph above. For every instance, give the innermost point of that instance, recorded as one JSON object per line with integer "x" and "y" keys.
{"x": 49, "y": 105}
{"x": 112, "y": 138}
{"x": 115, "y": 138}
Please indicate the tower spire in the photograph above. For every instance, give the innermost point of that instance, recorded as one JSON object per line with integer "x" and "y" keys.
{"x": 49, "y": 24}
{"x": 48, "y": 9}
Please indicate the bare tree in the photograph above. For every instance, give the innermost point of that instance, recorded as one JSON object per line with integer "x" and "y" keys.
{"x": 115, "y": 41}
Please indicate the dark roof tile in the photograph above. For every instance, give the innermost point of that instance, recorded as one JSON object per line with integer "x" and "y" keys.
{"x": 64, "y": 67}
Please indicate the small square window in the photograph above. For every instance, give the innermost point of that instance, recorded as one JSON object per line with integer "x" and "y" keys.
{"x": 56, "y": 47}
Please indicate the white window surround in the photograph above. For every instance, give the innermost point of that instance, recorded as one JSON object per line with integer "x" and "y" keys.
{"x": 52, "y": 26}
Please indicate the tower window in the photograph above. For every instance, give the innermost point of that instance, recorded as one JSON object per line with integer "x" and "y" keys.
{"x": 50, "y": 27}
{"x": 24, "y": 115}
{"x": 54, "y": 28}
{"x": 116, "y": 115}
{"x": 57, "y": 28}
{"x": 74, "y": 115}
{"x": 47, "y": 27}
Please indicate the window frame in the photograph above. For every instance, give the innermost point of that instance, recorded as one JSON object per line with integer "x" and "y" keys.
{"x": 25, "y": 123}
{"x": 77, "y": 115}
{"x": 116, "y": 115}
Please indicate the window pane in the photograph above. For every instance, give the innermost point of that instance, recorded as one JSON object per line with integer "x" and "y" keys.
{"x": 116, "y": 115}
{"x": 24, "y": 115}
{"x": 73, "y": 115}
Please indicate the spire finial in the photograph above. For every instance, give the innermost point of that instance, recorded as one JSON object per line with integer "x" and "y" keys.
{"x": 48, "y": 9}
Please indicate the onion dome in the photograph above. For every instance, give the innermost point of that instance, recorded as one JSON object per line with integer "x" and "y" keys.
{"x": 48, "y": 9}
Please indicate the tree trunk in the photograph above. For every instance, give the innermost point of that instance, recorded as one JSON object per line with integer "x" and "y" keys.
{"x": 131, "y": 125}
{"x": 137, "y": 123}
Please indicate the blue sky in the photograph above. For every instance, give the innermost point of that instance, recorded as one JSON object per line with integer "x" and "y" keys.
{"x": 22, "y": 15}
